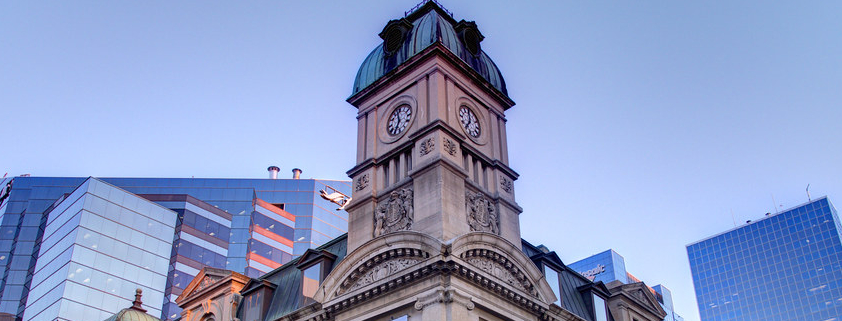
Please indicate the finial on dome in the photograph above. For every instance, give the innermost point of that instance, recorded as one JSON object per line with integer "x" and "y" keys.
{"x": 138, "y": 304}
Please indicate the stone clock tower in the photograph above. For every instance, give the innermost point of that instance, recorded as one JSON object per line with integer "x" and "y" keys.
{"x": 433, "y": 225}
{"x": 431, "y": 135}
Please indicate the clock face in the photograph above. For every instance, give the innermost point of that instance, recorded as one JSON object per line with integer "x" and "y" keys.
{"x": 469, "y": 120}
{"x": 399, "y": 120}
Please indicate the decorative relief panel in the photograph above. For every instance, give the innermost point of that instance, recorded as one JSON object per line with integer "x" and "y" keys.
{"x": 383, "y": 271}
{"x": 395, "y": 213}
{"x": 362, "y": 183}
{"x": 500, "y": 267}
{"x": 206, "y": 281}
{"x": 382, "y": 266}
{"x": 427, "y": 146}
{"x": 449, "y": 146}
{"x": 506, "y": 184}
{"x": 482, "y": 215}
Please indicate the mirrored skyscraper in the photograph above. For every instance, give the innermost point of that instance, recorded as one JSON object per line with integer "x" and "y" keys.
{"x": 246, "y": 225}
{"x": 785, "y": 266}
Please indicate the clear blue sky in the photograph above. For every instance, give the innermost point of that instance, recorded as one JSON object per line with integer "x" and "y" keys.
{"x": 649, "y": 123}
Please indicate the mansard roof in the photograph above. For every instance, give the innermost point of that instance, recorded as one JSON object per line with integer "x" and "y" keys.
{"x": 286, "y": 281}
{"x": 571, "y": 281}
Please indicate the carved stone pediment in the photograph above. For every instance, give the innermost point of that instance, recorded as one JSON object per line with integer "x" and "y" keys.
{"x": 205, "y": 282}
{"x": 382, "y": 266}
{"x": 499, "y": 266}
{"x": 394, "y": 213}
{"x": 636, "y": 296}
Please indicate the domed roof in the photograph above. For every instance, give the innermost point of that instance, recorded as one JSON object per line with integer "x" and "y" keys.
{"x": 422, "y": 28}
{"x": 131, "y": 315}
{"x": 134, "y": 313}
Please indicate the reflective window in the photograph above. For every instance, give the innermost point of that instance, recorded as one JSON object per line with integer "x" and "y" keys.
{"x": 312, "y": 278}
{"x": 600, "y": 312}
{"x": 552, "y": 279}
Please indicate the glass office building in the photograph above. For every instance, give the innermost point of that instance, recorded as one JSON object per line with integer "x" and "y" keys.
{"x": 786, "y": 266}
{"x": 246, "y": 225}
{"x": 610, "y": 266}
{"x": 100, "y": 243}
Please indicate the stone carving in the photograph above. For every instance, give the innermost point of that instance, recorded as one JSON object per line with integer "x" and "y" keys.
{"x": 362, "y": 183}
{"x": 206, "y": 281}
{"x": 395, "y": 213}
{"x": 383, "y": 271}
{"x": 506, "y": 184}
{"x": 449, "y": 146}
{"x": 500, "y": 267}
{"x": 381, "y": 266}
{"x": 640, "y": 296}
{"x": 427, "y": 146}
{"x": 443, "y": 295}
{"x": 482, "y": 215}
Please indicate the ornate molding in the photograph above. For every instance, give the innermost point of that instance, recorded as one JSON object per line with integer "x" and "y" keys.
{"x": 438, "y": 296}
{"x": 395, "y": 213}
{"x": 482, "y": 214}
{"x": 382, "y": 266}
{"x": 427, "y": 146}
{"x": 443, "y": 295}
{"x": 206, "y": 282}
{"x": 500, "y": 267}
{"x": 461, "y": 299}
{"x": 384, "y": 270}
{"x": 506, "y": 184}
{"x": 466, "y": 271}
{"x": 449, "y": 146}
{"x": 362, "y": 183}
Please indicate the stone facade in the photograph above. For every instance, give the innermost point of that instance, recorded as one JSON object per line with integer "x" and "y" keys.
{"x": 633, "y": 302}
{"x": 434, "y": 228}
{"x": 214, "y": 294}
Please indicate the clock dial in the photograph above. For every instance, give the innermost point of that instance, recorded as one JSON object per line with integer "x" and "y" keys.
{"x": 469, "y": 120}
{"x": 399, "y": 119}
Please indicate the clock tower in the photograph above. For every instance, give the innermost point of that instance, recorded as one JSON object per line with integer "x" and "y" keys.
{"x": 431, "y": 134}
{"x": 433, "y": 229}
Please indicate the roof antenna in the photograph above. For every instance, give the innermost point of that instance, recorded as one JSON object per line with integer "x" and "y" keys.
{"x": 774, "y": 204}
{"x": 808, "y": 193}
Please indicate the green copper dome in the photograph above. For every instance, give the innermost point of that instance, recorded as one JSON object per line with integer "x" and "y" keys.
{"x": 419, "y": 30}
{"x": 131, "y": 315}
{"x": 134, "y": 313}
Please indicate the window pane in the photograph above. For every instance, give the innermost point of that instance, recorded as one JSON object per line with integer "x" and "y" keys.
{"x": 552, "y": 279}
{"x": 311, "y": 280}
{"x": 599, "y": 308}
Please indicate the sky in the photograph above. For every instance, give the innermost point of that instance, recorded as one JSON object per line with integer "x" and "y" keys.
{"x": 640, "y": 126}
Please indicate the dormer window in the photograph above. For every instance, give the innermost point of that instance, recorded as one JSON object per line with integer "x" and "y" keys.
{"x": 470, "y": 35}
{"x": 315, "y": 266}
{"x": 553, "y": 279}
{"x": 600, "y": 310}
{"x": 394, "y": 34}
{"x": 312, "y": 278}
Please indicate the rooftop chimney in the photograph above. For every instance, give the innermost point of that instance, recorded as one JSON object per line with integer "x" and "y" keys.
{"x": 296, "y": 173}
{"x": 273, "y": 172}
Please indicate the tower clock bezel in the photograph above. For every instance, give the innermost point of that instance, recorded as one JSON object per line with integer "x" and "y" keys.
{"x": 383, "y": 123}
{"x": 482, "y": 121}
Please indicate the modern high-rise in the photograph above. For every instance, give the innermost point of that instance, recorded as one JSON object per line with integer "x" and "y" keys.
{"x": 247, "y": 225}
{"x": 785, "y": 266}
{"x": 610, "y": 266}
